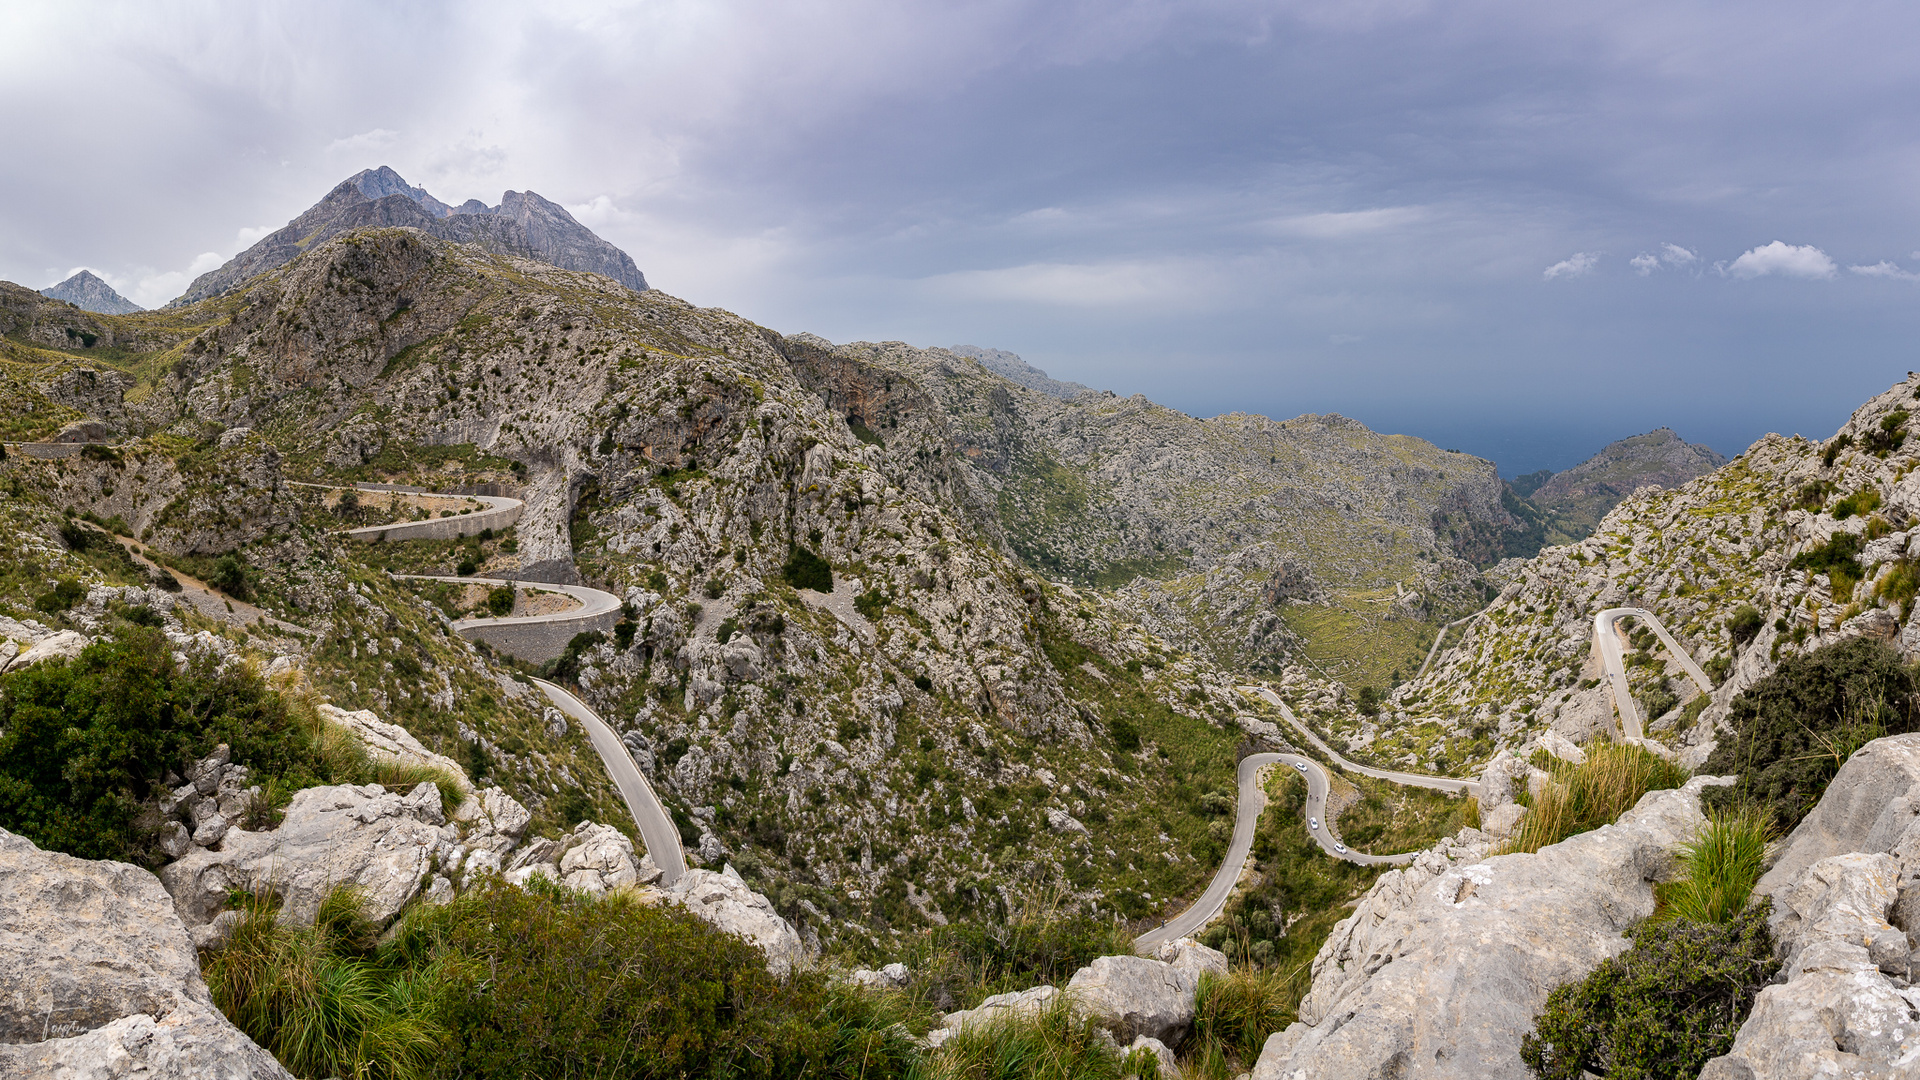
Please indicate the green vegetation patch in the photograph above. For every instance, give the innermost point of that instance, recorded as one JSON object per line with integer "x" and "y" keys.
{"x": 1582, "y": 797}
{"x": 1792, "y": 730}
{"x": 1673, "y": 1000}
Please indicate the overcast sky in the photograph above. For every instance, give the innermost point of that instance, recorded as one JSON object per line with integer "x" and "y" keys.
{"x": 1518, "y": 229}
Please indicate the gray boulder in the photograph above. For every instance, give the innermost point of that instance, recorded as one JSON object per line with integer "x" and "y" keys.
{"x": 98, "y": 977}
{"x": 1440, "y": 974}
{"x": 381, "y": 841}
{"x": 726, "y": 902}
{"x": 1020, "y": 1003}
{"x": 1135, "y": 996}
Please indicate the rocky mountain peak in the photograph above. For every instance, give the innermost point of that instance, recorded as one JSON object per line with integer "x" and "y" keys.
{"x": 523, "y": 225}
{"x": 88, "y": 293}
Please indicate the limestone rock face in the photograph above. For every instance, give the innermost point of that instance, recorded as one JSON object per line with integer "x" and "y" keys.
{"x": 726, "y": 902}
{"x": 64, "y": 645}
{"x": 1441, "y": 974}
{"x": 1867, "y": 807}
{"x": 99, "y": 978}
{"x": 1838, "y": 1014}
{"x": 1029, "y": 1002}
{"x": 87, "y": 292}
{"x": 1137, "y": 996}
{"x": 382, "y": 841}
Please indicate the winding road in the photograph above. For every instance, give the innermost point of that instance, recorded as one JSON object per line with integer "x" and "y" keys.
{"x": 1450, "y": 784}
{"x": 657, "y": 829}
{"x": 1606, "y": 639}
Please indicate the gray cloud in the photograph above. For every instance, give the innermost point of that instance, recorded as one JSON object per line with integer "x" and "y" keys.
{"x": 1285, "y": 206}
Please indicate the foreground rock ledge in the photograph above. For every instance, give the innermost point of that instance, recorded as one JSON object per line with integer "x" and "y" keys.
{"x": 1440, "y": 974}
{"x": 98, "y": 978}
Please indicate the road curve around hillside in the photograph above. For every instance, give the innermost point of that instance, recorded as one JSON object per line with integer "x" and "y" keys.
{"x": 1253, "y": 801}
{"x": 593, "y": 602}
{"x": 1606, "y": 639}
{"x": 657, "y": 829}
{"x": 498, "y": 512}
{"x": 1450, "y": 784}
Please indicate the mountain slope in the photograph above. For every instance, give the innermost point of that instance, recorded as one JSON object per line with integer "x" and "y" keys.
{"x": 1574, "y": 501}
{"x": 87, "y": 292}
{"x": 524, "y": 224}
{"x": 1813, "y": 536}
{"x": 937, "y": 737}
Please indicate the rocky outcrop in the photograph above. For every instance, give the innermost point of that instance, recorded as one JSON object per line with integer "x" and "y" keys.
{"x": 98, "y": 977}
{"x": 383, "y": 842}
{"x": 1443, "y": 965}
{"x": 392, "y": 742}
{"x": 725, "y": 901}
{"x": 1584, "y": 493}
{"x": 1846, "y": 919}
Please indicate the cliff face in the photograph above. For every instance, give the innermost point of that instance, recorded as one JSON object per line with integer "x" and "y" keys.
{"x": 524, "y": 224}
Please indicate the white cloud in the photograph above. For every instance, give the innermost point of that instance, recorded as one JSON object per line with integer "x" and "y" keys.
{"x": 365, "y": 142}
{"x": 1786, "y": 260}
{"x": 1670, "y": 255}
{"x": 1580, "y": 262}
{"x": 1675, "y": 255}
{"x": 1334, "y": 226}
{"x": 1885, "y": 269}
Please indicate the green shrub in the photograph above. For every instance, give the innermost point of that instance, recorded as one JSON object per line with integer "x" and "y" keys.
{"x": 1791, "y": 731}
{"x": 467, "y": 567}
{"x": 64, "y": 594}
{"x": 1863, "y": 502}
{"x": 230, "y": 576}
{"x": 82, "y": 742}
{"x": 1901, "y": 584}
{"x": 1889, "y": 436}
{"x": 576, "y": 986}
{"x": 1832, "y": 452}
{"x": 1745, "y": 623}
{"x": 1594, "y": 793}
{"x": 76, "y": 536}
{"x": 1046, "y": 946}
{"x": 1661, "y": 1009}
{"x": 1722, "y": 863}
{"x": 805, "y": 570}
{"x": 500, "y": 601}
{"x": 871, "y": 604}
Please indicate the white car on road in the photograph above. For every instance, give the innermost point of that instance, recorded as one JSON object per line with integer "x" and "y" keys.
{"x": 1339, "y": 847}
{"x": 1313, "y": 823}
{"x": 1301, "y": 765}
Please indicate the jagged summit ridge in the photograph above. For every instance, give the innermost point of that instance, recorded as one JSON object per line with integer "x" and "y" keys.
{"x": 524, "y": 224}
{"x": 87, "y": 292}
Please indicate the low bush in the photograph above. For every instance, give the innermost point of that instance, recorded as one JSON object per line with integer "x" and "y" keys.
{"x": 1745, "y": 623}
{"x": 1791, "y": 731}
{"x": 1862, "y": 502}
{"x": 1721, "y": 864}
{"x": 325, "y": 1001}
{"x": 64, "y": 594}
{"x": 1661, "y": 1009}
{"x": 1594, "y": 793}
{"x": 806, "y": 570}
{"x": 970, "y": 961}
{"x": 230, "y": 575}
{"x": 500, "y": 601}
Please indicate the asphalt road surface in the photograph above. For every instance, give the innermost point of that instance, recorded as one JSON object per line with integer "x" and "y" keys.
{"x": 1451, "y": 784}
{"x": 656, "y": 827}
{"x": 1607, "y": 640}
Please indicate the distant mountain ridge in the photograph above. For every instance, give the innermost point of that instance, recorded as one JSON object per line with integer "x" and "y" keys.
{"x": 1567, "y": 506}
{"x": 88, "y": 293}
{"x": 1009, "y": 366}
{"x": 524, "y": 224}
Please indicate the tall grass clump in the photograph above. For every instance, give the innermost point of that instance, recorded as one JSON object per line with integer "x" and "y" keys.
{"x": 325, "y": 1000}
{"x": 1041, "y": 945}
{"x": 1054, "y": 1044}
{"x": 1593, "y": 793}
{"x": 1234, "y": 1014}
{"x": 1721, "y": 863}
